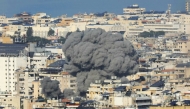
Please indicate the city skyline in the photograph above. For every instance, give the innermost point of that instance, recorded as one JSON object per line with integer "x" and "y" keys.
{"x": 70, "y": 7}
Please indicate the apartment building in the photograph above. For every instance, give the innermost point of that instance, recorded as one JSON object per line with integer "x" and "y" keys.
{"x": 81, "y": 26}
{"x": 43, "y": 20}
{"x": 65, "y": 22}
{"x": 96, "y": 89}
{"x": 24, "y": 82}
{"x": 11, "y": 102}
{"x": 184, "y": 69}
{"x": 43, "y": 31}
{"x": 37, "y": 16}
{"x": 182, "y": 46}
{"x": 185, "y": 23}
{"x": 11, "y": 59}
{"x": 133, "y": 10}
{"x": 40, "y": 31}
{"x": 5, "y": 20}
{"x": 24, "y": 17}
{"x": 66, "y": 81}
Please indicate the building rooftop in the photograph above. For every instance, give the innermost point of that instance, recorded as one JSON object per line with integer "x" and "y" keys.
{"x": 58, "y": 63}
{"x": 183, "y": 65}
{"x": 12, "y": 48}
{"x": 158, "y": 84}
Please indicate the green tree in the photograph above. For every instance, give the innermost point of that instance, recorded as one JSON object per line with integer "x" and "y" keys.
{"x": 39, "y": 40}
{"x": 144, "y": 34}
{"x": 160, "y": 33}
{"x": 151, "y": 34}
{"x": 29, "y": 32}
{"x": 51, "y": 32}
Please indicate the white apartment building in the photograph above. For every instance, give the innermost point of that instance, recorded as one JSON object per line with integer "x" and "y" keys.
{"x": 39, "y": 60}
{"x": 9, "y": 64}
{"x": 43, "y": 31}
{"x": 9, "y": 20}
{"x": 134, "y": 9}
{"x": 37, "y": 16}
{"x": 80, "y": 25}
{"x": 18, "y": 28}
{"x": 40, "y": 31}
{"x": 114, "y": 28}
{"x": 55, "y": 50}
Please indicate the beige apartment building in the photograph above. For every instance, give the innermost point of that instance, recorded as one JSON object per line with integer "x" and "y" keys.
{"x": 182, "y": 46}
{"x": 10, "y": 102}
{"x": 36, "y": 89}
{"x": 185, "y": 23}
{"x": 24, "y": 82}
{"x": 65, "y": 22}
{"x": 66, "y": 80}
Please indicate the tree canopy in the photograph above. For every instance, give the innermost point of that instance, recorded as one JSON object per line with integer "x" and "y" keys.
{"x": 51, "y": 32}
{"x": 29, "y": 32}
{"x": 39, "y": 40}
{"x": 151, "y": 34}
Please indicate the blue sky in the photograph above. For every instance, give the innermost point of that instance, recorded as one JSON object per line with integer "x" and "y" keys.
{"x": 70, "y": 7}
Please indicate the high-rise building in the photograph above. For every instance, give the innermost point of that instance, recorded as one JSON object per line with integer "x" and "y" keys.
{"x": 187, "y": 5}
{"x": 11, "y": 59}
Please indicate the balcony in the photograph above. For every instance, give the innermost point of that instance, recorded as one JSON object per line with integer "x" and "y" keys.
{"x": 29, "y": 90}
{"x": 21, "y": 76}
{"x": 21, "y": 84}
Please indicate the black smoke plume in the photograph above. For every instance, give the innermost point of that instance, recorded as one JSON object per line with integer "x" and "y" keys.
{"x": 96, "y": 55}
{"x": 68, "y": 93}
{"x": 50, "y": 88}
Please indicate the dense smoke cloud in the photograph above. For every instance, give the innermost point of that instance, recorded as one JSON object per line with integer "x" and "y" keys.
{"x": 96, "y": 55}
{"x": 68, "y": 93}
{"x": 124, "y": 80}
{"x": 50, "y": 88}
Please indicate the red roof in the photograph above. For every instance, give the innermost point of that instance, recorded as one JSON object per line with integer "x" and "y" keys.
{"x": 66, "y": 100}
{"x": 65, "y": 73}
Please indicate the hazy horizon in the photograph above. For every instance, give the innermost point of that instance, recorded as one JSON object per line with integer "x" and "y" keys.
{"x": 70, "y": 7}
